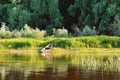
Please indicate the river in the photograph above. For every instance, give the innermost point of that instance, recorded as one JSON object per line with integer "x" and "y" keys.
{"x": 48, "y": 71}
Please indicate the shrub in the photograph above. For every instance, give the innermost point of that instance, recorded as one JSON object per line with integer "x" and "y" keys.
{"x": 16, "y": 34}
{"x": 4, "y": 32}
{"x": 87, "y": 31}
{"x": 116, "y": 26}
{"x": 26, "y": 31}
{"x": 61, "y": 33}
{"x": 32, "y": 33}
{"x": 49, "y": 30}
{"x": 36, "y": 33}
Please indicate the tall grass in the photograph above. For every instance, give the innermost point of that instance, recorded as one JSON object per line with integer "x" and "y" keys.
{"x": 95, "y": 59}
{"x": 78, "y": 42}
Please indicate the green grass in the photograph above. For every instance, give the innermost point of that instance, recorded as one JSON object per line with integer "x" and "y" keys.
{"x": 101, "y": 53}
{"x": 67, "y": 43}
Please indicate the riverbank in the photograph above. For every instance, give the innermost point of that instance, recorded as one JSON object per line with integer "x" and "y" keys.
{"x": 99, "y": 53}
{"x": 66, "y": 43}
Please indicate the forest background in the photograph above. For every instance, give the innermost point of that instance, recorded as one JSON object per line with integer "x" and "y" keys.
{"x": 92, "y": 17}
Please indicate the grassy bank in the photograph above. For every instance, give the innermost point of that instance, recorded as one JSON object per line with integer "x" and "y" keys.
{"x": 68, "y": 43}
{"x": 101, "y": 53}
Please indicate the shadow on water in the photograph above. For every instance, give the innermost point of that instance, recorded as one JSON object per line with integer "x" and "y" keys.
{"x": 40, "y": 71}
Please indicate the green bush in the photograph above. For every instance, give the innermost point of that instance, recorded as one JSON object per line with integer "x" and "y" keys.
{"x": 87, "y": 31}
{"x": 16, "y": 34}
{"x": 4, "y": 32}
{"x": 32, "y": 33}
{"x": 49, "y": 30}
{"x": 116, "y": 26}
{"x": 36, "y": 33}
{"x": 26, "y": 31}
{"x": 61, "y": 33}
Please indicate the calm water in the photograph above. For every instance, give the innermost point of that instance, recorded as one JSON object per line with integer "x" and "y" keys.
{"x": 40, "y": 71}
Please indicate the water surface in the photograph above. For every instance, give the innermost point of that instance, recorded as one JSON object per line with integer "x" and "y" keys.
{"x": 72, "y": 66}
{"x": 48, "y": 71}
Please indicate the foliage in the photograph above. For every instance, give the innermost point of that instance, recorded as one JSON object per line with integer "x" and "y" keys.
{"x": 61, "y": 33}
{"x": 18, "y": 17}
{"x": 42, "y": 13}
{"x": 32, "y": 33}
{"x": 4, "y": 13}
{"x": 66, "y": 43}
{"x": 95, "y": 13}
{"x": 55, "y": 13}
{"x": 87, "y": 31}
{"x": 4, "y": 33}
{"x": 36, "y": 33}
{"x": 116, "y": 26}
{"x": 45, "y": 12}
{"x": 49, "y": 30}
{"x": 16, "y": 34}
{"x": 26, "y": 32}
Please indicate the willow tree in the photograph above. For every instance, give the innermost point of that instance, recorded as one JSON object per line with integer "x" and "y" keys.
{"x": 98, "y": 13}
{"x": 67, "y": 18}
{"x": 45, "y": 14}
{"x": 54, "y": 12}
{"x": 18, "y": 17}
{"x": 45, "y": 11}
{"x": 4, "y": 13}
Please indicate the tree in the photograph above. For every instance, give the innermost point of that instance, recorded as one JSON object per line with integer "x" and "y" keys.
{"x": 18, "y": 17}
{"x": 45, "y": 12}
{"x": 97, "y": 13}
{"x": 67, "y": 18}
{"x": 5, "y": 1}
{"x": 3, "y": 13}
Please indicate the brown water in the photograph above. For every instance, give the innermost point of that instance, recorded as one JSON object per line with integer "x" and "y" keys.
{"x": 40, "y": 71}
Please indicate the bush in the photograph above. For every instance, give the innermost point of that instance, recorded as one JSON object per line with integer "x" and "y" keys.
{"x": 16, "y": 34}
{"x": 4, "y": 32}
{"x": 49, "y": 30}
{"x": 87, "y": 31}
{"x": 32, "y": 33}
{"x": 36, "y": 33}
{"x": 116, "y": 26}
{"x": 61, "y": 33}
{"x": 27, "y": 32}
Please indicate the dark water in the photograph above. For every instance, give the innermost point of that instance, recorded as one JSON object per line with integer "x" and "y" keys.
{"x": 18, "y": 71}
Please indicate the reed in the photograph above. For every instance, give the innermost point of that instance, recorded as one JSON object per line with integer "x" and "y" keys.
{"x": 97, "y": 59}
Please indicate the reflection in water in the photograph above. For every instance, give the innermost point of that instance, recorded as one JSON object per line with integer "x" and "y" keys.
{"x": 52, "y": 72}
